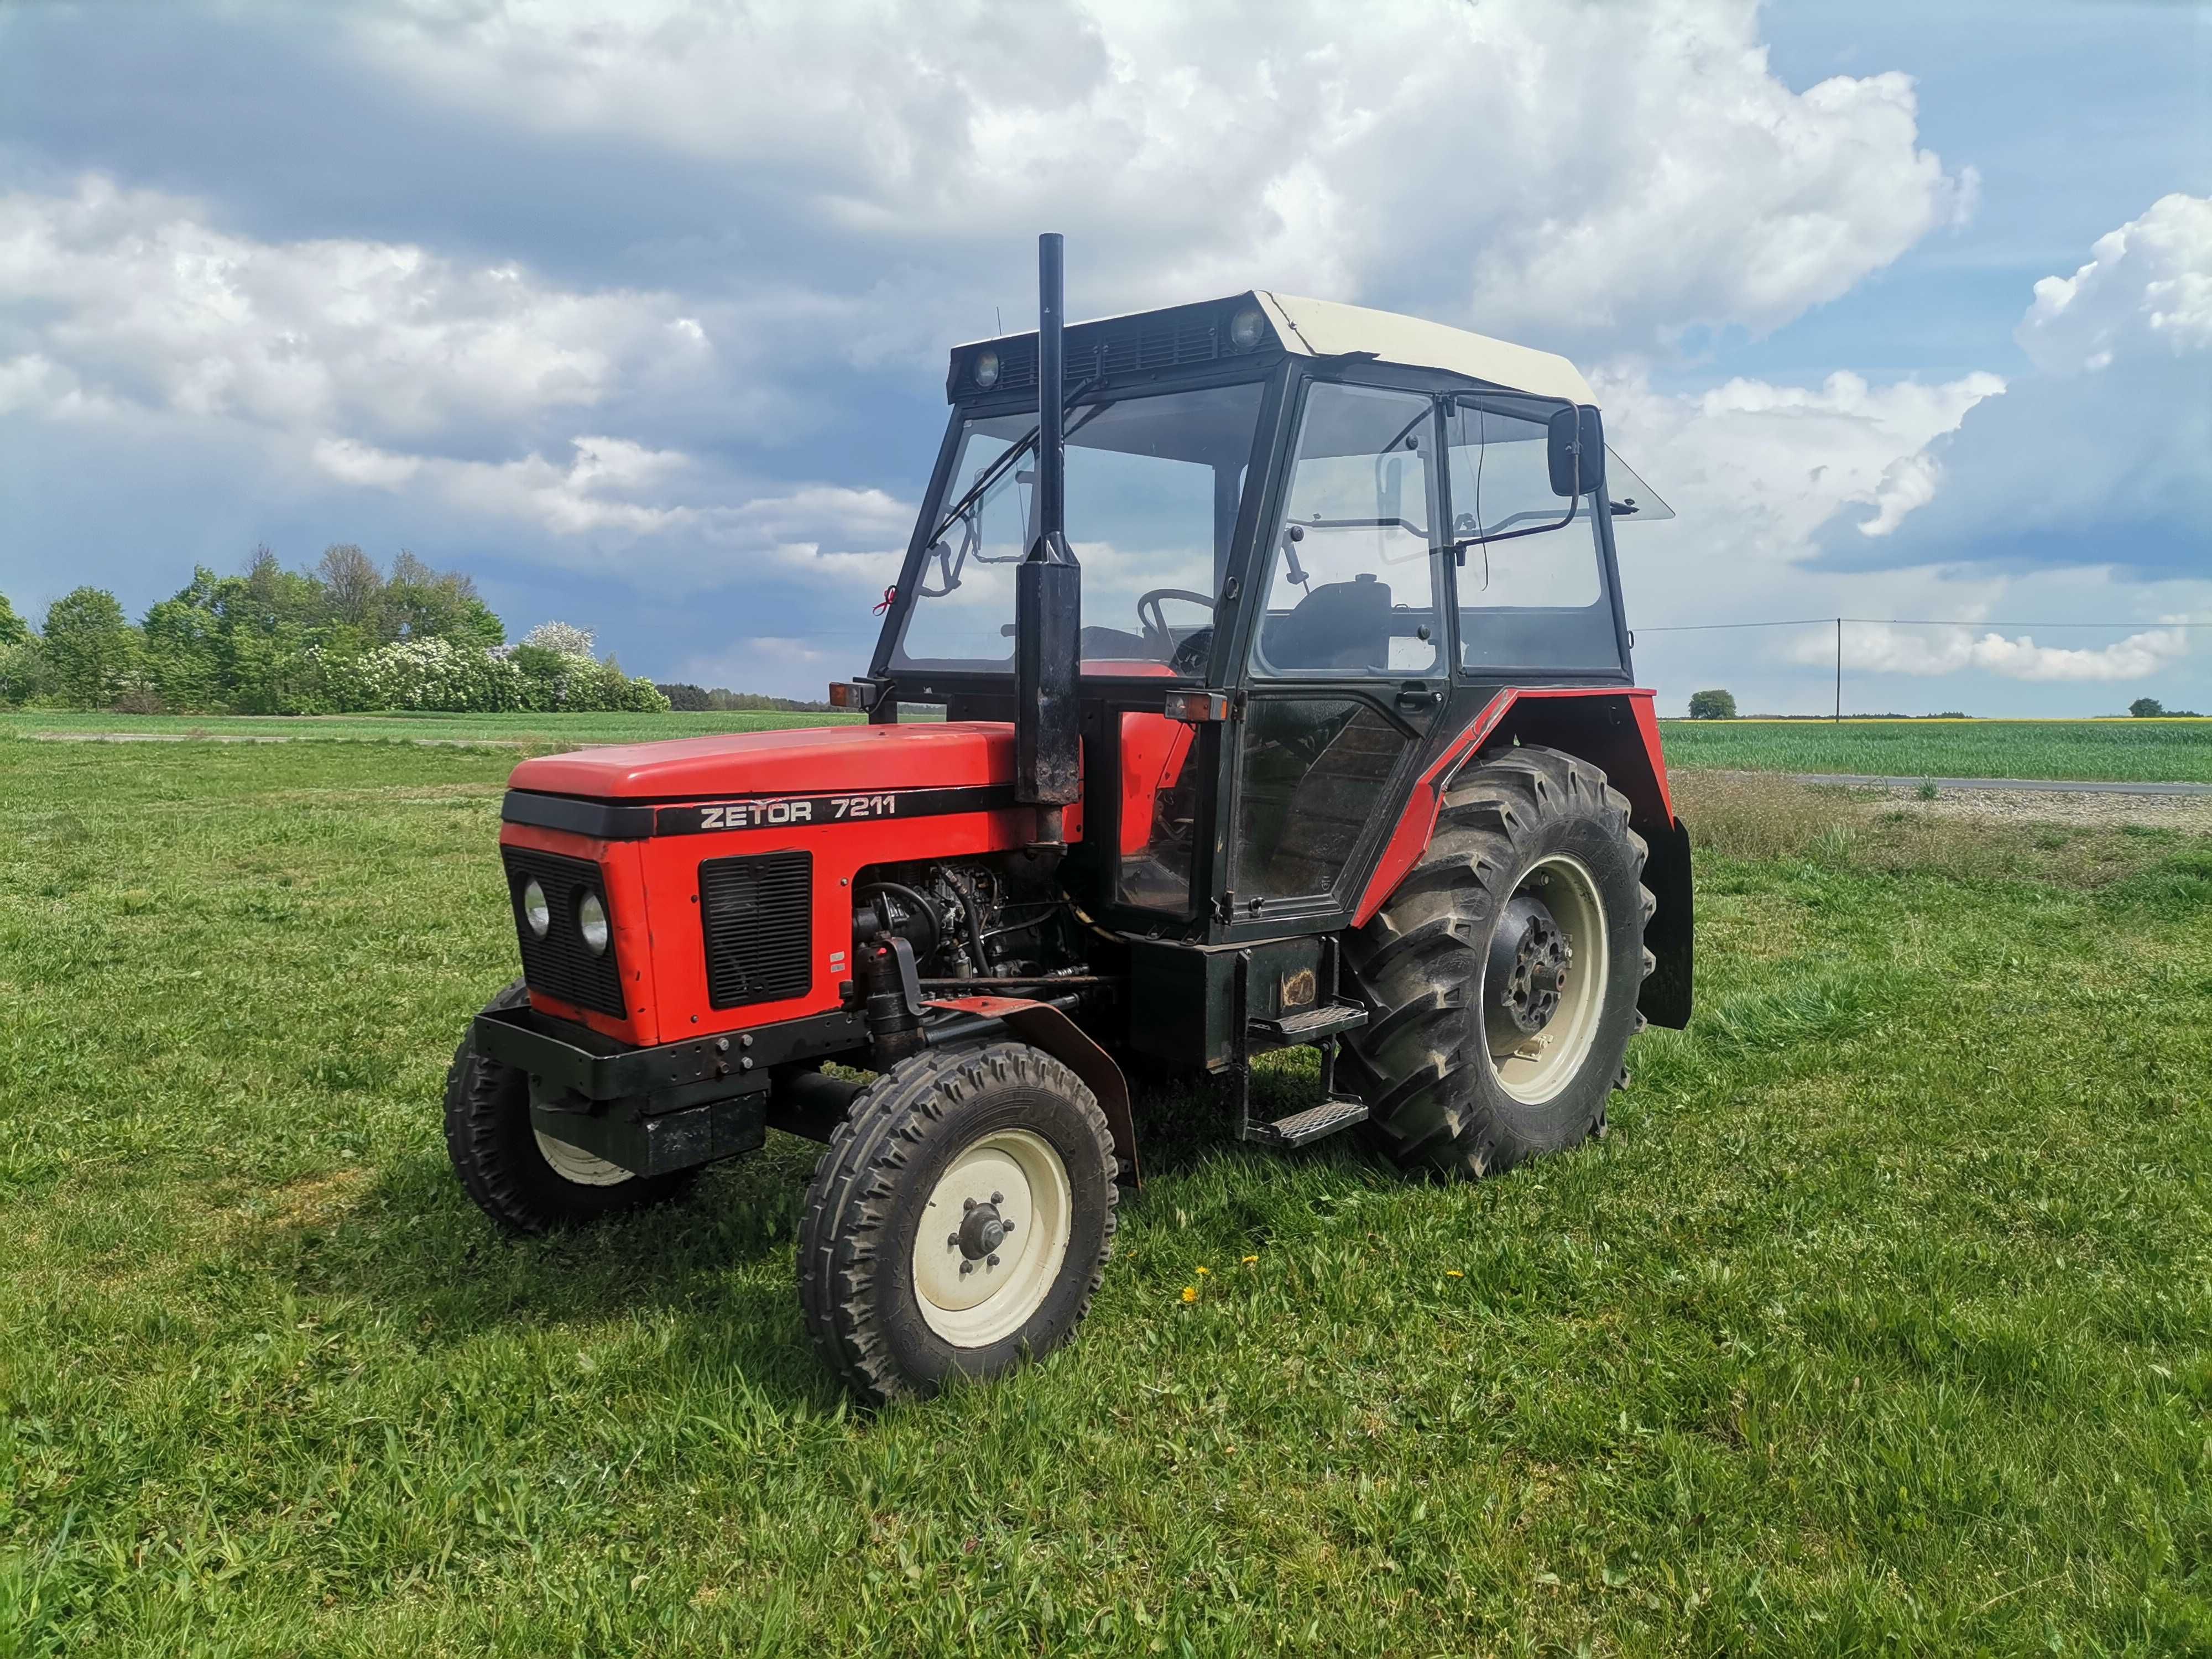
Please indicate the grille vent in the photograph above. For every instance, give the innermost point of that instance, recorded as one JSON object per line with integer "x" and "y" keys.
{"x": 1132, "y": 345}
{"x": 561, "y": 964}
{"x": 757, "y": 915}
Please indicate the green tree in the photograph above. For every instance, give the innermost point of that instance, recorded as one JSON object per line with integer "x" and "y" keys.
{"x": 422, "y": 603}
{"x": 91, "y": 647}
{"x": 352, "y": 587}
{"x": 1714, "y": 705}
{"x": 2146, "y": 708}
{"x": 14, "y": 630}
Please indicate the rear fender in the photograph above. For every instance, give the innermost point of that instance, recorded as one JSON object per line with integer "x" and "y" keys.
{"x": 1616, "y": 731}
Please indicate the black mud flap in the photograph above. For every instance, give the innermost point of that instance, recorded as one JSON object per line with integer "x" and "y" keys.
{"x": 1666, "y": 997}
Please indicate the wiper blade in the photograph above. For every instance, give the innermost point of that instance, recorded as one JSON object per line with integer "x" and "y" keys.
{"x": 997, "y": 470}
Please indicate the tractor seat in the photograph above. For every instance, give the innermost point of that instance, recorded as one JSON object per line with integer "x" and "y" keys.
{"x": 1338, "y": 625}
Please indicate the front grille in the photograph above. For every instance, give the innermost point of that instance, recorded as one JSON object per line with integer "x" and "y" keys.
{"x": 758, "y": 915}
{"x": 561, "y": 964}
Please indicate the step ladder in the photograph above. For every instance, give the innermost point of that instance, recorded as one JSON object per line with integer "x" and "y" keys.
{"x": 1318, "y": 1027}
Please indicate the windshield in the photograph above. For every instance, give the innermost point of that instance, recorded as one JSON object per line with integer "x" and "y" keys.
{"x": 1153, "y": 487}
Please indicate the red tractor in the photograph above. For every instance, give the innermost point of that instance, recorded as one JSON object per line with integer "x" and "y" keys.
{"x": 1340, "y": 749}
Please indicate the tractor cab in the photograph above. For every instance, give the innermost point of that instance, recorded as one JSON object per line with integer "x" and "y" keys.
{"x": 1256, "y": 679}
{"x": 1312, "y": 539}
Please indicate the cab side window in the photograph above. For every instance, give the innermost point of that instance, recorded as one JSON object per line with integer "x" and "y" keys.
{"x": 1352, "y": 586}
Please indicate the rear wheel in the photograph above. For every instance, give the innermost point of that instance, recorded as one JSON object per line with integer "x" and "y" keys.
{"x": 525, "y": 1180}
{"x": 959, "y": 1222}
{"x": 1504, "y": 973}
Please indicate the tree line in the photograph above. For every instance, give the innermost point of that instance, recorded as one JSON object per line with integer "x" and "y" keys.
{"x": 343, "y": 637}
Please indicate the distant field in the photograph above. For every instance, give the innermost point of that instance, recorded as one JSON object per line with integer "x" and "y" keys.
{"x": 533, "y": 731}
{"x": 2173, "y": 751}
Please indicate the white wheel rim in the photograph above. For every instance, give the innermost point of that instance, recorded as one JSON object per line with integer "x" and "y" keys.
{"x": 575, "y": 1163}
{"x": 1023, "y": 1182}
{"x": 1541, "y": 1066}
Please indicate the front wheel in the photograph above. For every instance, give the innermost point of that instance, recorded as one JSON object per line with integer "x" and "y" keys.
{"x": 960, "y": 1221}
{"x": 1503, "y": 975}
{"x": 526, "y": 1180}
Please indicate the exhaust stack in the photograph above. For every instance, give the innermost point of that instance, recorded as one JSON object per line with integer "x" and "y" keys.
{"x": 1048, "y": 594}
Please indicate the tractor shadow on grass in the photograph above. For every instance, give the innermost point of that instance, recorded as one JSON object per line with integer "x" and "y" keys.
{"x": 710, "y": 1275}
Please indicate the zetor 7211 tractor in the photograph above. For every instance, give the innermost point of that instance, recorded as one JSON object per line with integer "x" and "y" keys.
{"x": 1337, "y": 746}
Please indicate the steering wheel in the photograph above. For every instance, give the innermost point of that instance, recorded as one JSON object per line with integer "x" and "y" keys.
{"x": 1156, "y": 625}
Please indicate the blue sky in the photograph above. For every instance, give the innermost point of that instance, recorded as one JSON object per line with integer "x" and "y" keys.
{"x": 640, "y": 317}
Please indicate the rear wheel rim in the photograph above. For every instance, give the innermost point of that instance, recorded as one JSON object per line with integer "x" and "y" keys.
{"x": 1534, "y": 1067}
{"x": 575, "y": 1163}
{"x": 993, "y": 1238}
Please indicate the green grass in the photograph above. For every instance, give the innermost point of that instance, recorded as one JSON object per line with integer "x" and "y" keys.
{"x": 1879, "y": 1322}
{"x": 524, "y": 730}
{"x": 2176, "y": 752}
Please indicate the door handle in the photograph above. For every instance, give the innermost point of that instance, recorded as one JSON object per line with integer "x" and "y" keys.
{"x": 1413, "y": 698}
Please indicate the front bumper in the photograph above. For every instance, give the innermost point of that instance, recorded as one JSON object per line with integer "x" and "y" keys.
{"x": 655, "y": 1111}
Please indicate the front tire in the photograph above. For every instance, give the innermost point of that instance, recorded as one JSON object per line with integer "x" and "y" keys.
{"x": 960, "y": 1221}
{"x": 1502, "y": 976}
{"x": 527, "y": 1181}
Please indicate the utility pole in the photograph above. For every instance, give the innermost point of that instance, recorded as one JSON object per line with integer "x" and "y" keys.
{"x": 1840, "y": 670}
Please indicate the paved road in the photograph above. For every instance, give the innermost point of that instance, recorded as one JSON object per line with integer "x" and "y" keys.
{"x": 2042, "y": 786}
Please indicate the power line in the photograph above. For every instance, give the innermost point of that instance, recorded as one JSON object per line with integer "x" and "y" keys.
{"x": 1905, "y": 622}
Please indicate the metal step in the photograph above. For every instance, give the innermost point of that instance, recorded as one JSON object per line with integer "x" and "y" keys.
{"x": 1310, "y": 1125}
{"x": 1323, "y": 1019}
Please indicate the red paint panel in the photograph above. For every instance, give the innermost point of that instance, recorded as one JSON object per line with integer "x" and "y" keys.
{"x": 1153, "y": 749}
{"x": 806, "y": 761}
{"x": 628, "y": 908}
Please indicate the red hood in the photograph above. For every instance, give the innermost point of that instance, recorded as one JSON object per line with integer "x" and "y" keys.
{"x": 810, "y": 760}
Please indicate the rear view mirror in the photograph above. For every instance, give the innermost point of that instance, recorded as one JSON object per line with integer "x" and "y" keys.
{"x": 1574, "y": 448}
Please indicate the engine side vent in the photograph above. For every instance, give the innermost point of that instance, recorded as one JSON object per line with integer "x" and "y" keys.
{"x": 561, "y": 964}
{"x": 757, "y": 915}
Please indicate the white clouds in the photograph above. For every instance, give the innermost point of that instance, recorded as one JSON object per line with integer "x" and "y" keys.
{"x": 2099, "y": 456}
{"x": 130, "y": 297}
{"x": 1881, "y": 648}
{"x": 1596, "y": 172}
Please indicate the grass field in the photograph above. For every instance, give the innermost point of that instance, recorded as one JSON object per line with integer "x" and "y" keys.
{"x": 2173, "y": 751}
{"x": 524, "y": 730}
{"x": 1879, "y": 1322}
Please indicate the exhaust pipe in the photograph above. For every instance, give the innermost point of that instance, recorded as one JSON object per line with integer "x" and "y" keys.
{"x": 1048, "y": 594}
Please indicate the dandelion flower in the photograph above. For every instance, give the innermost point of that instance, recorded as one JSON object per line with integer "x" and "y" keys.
{"x": 1454, "y": 1272}
{"x": 1205, "y": 1270}
{"x": 1249, "y": 1260}
{"x": 1190, "y": 1292}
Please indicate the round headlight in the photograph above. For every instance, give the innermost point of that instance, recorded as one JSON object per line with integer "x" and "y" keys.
{"x": 987, "y": 369}
{"x": 535, "y": 911}
{"x": 592, "y": 923}
{"x": 1247, "y": 328}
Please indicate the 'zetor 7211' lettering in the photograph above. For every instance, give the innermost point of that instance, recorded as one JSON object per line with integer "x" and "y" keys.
{"x": 1275, "y": 764}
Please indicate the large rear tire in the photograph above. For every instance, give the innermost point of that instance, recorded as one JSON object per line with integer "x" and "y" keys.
{"x": 1502, "y": 976}
{"x": 527, "y": 1181}
{"x": 960, "y": 1221}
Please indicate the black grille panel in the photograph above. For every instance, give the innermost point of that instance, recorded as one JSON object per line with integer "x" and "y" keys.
{"x": 1121, "y": 345}
{"x": 758, "y": 915}
{"x": 561, "y": 964}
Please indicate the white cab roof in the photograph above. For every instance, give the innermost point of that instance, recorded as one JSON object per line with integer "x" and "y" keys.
{"x": 1324, "y": 328}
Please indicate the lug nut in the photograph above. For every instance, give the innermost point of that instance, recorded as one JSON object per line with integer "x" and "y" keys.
{"x": 967, "y": 1204}
{"x": 990, "y": 1261}
{"x": 1007, "y": 1226}
{"x": 952, "y": 1243}
{"x": 998, "y": 1198}
{"x": 967, "y": 1268}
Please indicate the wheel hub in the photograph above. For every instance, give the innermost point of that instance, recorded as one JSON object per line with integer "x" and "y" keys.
{"x": 983, "y": 1230}
{"x": 1527, "y": 971}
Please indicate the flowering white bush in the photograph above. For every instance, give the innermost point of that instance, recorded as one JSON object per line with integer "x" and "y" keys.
{"x": 566, "y": 638}
{"x": 433, "y": 673}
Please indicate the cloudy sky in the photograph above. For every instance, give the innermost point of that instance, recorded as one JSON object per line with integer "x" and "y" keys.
{"x": 1906, "y": 309}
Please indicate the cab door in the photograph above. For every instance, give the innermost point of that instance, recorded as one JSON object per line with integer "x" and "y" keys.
{"x": 1347, "y": 655}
